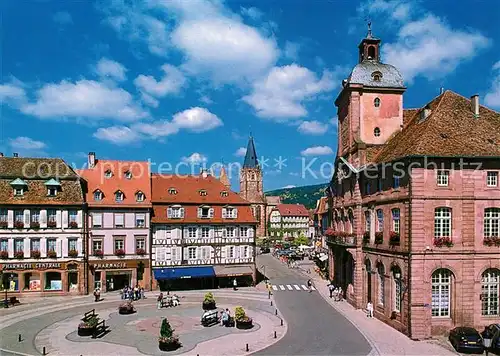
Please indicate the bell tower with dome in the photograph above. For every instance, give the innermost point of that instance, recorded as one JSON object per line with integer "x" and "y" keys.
{"x": 370, "y": 105}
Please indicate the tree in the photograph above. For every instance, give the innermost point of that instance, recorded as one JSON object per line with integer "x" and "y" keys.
{"x": 301, "y": 240}
{"x": 166, "y": 330}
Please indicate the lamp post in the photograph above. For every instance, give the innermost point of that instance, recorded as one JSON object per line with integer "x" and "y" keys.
{"x": 397, "y": 277}
{"x": 6, "y": 286}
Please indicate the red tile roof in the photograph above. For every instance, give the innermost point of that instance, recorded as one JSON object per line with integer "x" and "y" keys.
{"x": 245, "y": 215}
{"x": 139, "y": 182}
{"x": 322, "y": 206}
{"x": 292, "y": 210}
{"x": 451, "y": 130}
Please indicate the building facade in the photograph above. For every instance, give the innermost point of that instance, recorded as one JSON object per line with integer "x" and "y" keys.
{"x": 203, "y": 233}
{"x": 118, "y": 194}
{"x": 289, "y": 221}
{"x": 41, "y": 227}
{"x": 416, "y": 203}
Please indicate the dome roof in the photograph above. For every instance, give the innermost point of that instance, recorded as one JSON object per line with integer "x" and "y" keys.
{"x": 371, "y": 73}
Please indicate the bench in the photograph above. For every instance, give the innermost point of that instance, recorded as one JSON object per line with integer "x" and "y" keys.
{"x": 88, "y": 315}
{"x": 100, "y": 330}
{"x": 210, "y": 318}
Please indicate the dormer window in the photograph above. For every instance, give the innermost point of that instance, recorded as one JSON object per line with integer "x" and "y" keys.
{"x": 108, "y": 174}
{"x": 376, "y": 132}
{"x": 205, "y": 212}
{"x": 52, "y": 191}
{"x": 229, "y": 212}
{"x": 172, "y": 191}
{"x": 19, "y": 187}
{"x": 175, "y": 212}
{"x": 224, "y": 193}
{"x": 52, "y": 187}
{"x": 377, "y": 76}
{"x": 139, "y": 196}
{"x": 18, "y": 191}
{"x": 98, "y": 195}
{"x": 376, "y": 102}
{"x": 128, "y": 175}
{"x": 119, "y": 196}
{"x": 203, "y": 192}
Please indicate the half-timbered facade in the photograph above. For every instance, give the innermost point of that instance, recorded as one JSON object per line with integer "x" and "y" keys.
{"x": 203, "y": 234}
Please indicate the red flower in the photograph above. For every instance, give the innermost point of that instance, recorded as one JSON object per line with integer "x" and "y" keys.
{"x": 330, "y": 232}
{"x": 394, "y": 238}
{"x": 19, "y": 225}
{"x": 73, "y": 225}
{"x": 19, "y": 255}
{"x": 379, "y": 237}
{"x": 35, "y": 225}
{"x": 4, "y": 224}
{"x": 120, "y": 252}
{"x": 51, "y": 254}
{"x": 98, "y": 253}
{"x": 140, "y": 251}
{"x": 51, "y": 224}
{"x": 443, "y": 241}
{"x": 4, "y": 255}
{"x": 73, "y": 253}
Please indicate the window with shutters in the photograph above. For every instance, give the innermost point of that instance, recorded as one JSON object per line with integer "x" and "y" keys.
{"x": 192, "y": 232}
{"x": 175, "y": 254}
{"x": 192, "y": 253}
{"x": 51, "y": 215}
{"x": 119, "y": 220}
{"x": 230, "y": 231}
{"x": 73, "y": 216}
{"x": 4, "y": 245}
{"x": 51, "y": 245}
{"x": 140, "y": 220}
{"x": 175, "y": 212}
{"x": 18, "y": 245}
{"x": 72, "y": 245}
{"x": 245, "y": 252}
{"x": 205, "y": 253}
{"x": 243, "y": 231}
{"x": 18, "y": 216}
{"x": 35, "y": 245}
{"x": 4, "y": 216}
{"x": 230, "y": 252}
{"x": 204, "y": 212}
{"x": 205, "y": 232}
{"x": 35, "y": 216}
{"x": 96, "y": 220}
{"x": 229, "y": 212}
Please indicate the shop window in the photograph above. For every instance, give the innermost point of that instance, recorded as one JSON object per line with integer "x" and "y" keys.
{"x": 72, "y": 281}
{"x": 32, "y": 281}
{"x": 10, "y": 282}
{"x": 53, "y": 281}
{"x": 97, "y": 279}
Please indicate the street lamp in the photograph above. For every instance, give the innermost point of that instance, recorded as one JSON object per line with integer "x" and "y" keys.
{"x": 6, "y": 286}
{"x": 397, "y": 277}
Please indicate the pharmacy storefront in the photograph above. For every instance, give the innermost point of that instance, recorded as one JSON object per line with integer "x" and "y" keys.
{"x": 42, "y": 277}
{"x": 115, "y": 275}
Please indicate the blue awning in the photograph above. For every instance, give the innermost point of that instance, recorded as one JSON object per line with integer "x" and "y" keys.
{"x": 183, "y": 272}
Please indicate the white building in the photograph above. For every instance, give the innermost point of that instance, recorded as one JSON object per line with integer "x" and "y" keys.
{"x": 289, "y": 221}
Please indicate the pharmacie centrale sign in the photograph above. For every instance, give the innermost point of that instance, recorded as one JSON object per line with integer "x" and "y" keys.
{"x": 40, "y": 265}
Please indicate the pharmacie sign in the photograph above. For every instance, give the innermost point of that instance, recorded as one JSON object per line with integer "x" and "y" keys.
{"x": 110, "y": 265}
{"x": 11, "y": 266}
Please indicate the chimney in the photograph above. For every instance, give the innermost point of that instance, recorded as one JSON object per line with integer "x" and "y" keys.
{"x": 424, "y": 114}
{"x": 15, "y": 154}
{"x": 1, "y": 154}
{"x": 204, "y": 173}
{"x": 441, "y": 91}
{"x": 474, "y": 102}
{"x": 91, "y": 161}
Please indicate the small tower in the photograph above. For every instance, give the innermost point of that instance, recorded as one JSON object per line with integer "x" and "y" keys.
{"x": 369, "y": 48}
{"x": 224, "y": 179}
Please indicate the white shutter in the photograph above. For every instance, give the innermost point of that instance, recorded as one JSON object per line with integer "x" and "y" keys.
{"x": 59, "y": 247}
{"x": 43, "y": 246}
{"x": 10, "y": 219}
{"x": 224, "y": 213}
{"x": 182, "y": 212}
{"x": 186, "y": 233}
{"x": 43, "y": 218}
{"x": 97, "y": 219}
{"x": 211, "y": 213}
{"x": 239, "y": 251}
{"x": 64, "y": 219}
{"x": 26, "y": 218}
{"x": 79, "y": 246}
{"x": 119, "y": 220}
{"x": 250, "y": 232}
{"x": 10, "y": 243}
{"x": 235, "y": 213}
{"x": 79, "y": 219}
{"x": 58, "y": 219}
{"x": 198, "y": 253}
{"x": 199, "y": 212}
{"x": 224, "y": 252}
{"x": 169, "y": 213}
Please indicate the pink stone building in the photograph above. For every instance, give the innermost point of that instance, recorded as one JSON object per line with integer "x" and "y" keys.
{"x": 415, "y": 207}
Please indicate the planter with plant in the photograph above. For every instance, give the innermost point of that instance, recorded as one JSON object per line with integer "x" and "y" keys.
{"x": 35, "y": 225}
{"x": 167, "y": 340}
{"x": 19, "y": 225}
{"x": 51, "y": 224}
{"x": 87, "y": 328}
{"x": 209, "y": 302}
{"x": 366, "y": 237}
{"x": 140, "y": 251}
{"x": 19, "y": 255}
{"x": 4, "y": 224}
{"x": 394, "y": 238}
{"x": 241, "y": 319}
{"x": 379, "y": 237}
{"x": 443, "y": 241}
{"x": 73, "y": 225}
{"x": 491, "y": 241}
{"x": 51, "y": 254}
{"x": 73, "y": 253}
{"x": 98, "y": 253}
{"x": 120, "y": 252}
{"x": 35, "y": 254}
{"x": 126, "y": 308}
{"x": 4, "y": 255}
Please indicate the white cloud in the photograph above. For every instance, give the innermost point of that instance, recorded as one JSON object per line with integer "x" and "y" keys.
{"x": 251, "y": 12}
{"x": 334, "y": 121}
{"x": 241, "y": 152}
{"x": 289, "y": 186}
{"x": 312, "y": 128}
{"x": 12, "y": 93}
{"x": 149, "y": 100}
{"x": 26, "y": 143}
{"x": 156, "y": 129}
{"x": 85, "y": 98}
{"x": 317, "y": 151}
{"x": 195, "y": 158}
{"x": 119, "y": 135}
{"x": 280, "y": 95}
{"x": 206, "y": 100}
{"x": 107, "y": 68}
{"x": 196, "y": 119}
{"x": 396, "y": 9}
{"x": 492, "y": 98}
{"x": 62, "y": 17}
{"x": 171, "y": 83}
{"x": 291, "y": 50}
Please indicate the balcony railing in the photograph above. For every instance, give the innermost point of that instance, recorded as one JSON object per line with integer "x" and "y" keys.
{"x": 342, "y": 239}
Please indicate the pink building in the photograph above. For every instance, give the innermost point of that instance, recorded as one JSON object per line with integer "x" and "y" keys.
{"x": 118, "y": 194}
{"x": 415, "y": 204}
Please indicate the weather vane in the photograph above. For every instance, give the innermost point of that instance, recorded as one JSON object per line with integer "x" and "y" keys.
{"x": 369, "y": 35}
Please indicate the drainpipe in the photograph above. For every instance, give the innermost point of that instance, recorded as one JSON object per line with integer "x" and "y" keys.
{"x": 150, "y": 242}
{"x": 408, "y": 281}
{"x": 85, "y": 246}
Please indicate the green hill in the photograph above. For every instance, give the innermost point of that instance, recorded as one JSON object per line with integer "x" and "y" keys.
{"x": 307, "y": 195}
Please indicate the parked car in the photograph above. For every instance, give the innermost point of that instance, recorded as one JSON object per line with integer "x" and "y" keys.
{"x": 466, "y": 339}
{"x": 494, "y": 330}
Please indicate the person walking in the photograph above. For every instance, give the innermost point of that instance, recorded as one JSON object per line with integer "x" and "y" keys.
{"x": 331, "y": 288}
{"x": 369, "y": 309}
{"x": 235, "y": 284}
{"x": 159, "y": 300}
{"x": 309, "y": 285}
{"x": 341, "y": 294}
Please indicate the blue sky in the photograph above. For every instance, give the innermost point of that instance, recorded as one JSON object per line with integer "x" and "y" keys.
{"x": 187, "y": 81}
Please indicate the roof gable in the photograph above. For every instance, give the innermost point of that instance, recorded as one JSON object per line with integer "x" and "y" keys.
{"x": 18, "y": 182}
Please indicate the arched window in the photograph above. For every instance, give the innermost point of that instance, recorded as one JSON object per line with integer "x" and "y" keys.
{"x": 376, "y": 76}
{"x": 376, "y": 132}
{"x": 398, "y": 288}
{"x": 396, "y": 222}
{"x": 139, "y": 196}
{"x": 442, "y": 222}
{"x": 380, "y": 220}
{"x": 119, "y": 196}
{"x": 492, "y": 222}
{"x": 368, "y": 221}
{"x": 381, "y": 284}
{"x": 371, "y": 52}
{"x": 490, "y": 289}
{"x": 351, "y": 221}
{"x": 440, "y": 291}
{"x": 98, "y": 195}
{"x": 376, "y": 102}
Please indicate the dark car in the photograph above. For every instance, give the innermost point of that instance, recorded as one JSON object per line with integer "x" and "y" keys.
{"x": 265, "y": 250}
{"x": 466, "y": 339}
{"x": 494, "y": 330}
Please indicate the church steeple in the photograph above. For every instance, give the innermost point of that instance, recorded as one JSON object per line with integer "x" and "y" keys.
{"x": 251, "y": 156}
{"x": 369, "y": 48}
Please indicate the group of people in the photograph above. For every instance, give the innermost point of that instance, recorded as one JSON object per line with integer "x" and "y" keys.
{"x": 336, "y": 292}
{"x": 133, "y": 293}
{"x": 97, "y": 294}
{"x": 168, "y": 300}
{"x": 225, "y": 319}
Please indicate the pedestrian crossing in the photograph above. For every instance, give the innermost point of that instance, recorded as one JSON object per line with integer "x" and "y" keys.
{"x": 291, "y": 287}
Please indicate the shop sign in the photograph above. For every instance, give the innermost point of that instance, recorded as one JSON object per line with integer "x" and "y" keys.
{"x": 110, "y": 265}
{"x": 12, "y": 266}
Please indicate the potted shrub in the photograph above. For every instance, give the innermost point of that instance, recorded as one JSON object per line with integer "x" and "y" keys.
{"x": 19, "y": 255}
{"x": 366, "y": 237}
{"x": 87, "y": 328}
{"x": 126, "y": 308}
{"x": 209, "y": 302}
{"x": 73, "y": 225}
{"x": 51, "y": 223}
{"x": 98, "y": 253}
{"x": 167, "y": 340}
{"x": 394, "y": 238}
{"x": 241, "y": 319}
{"x": 4, "y": 224}
{"x": 379, "y": 237}
{"x": 443, "y": 241}
{"x": 35, "y": 254}
{"x": 51, "y": 254}
{"x": 140, "y": 251}
{"x": 19, "y": 225}
{"x": 120, "y": 252}
{"x": 4, "y": 255}
{"x": 73, "y": 253}
{"x": 35, "y": 225}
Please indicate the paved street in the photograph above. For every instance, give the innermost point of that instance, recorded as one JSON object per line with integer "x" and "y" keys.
{"x": 314, "y": 327}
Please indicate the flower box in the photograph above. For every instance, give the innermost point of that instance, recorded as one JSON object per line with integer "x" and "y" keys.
{"x": 98, "y": 253}
{"x": 491, "y": 241}
{"x": 4, "y": 224}
{"x": 73, "y": 253}
{"x": 140, "y": 251}
{"x": 394, "y": 238}
{"x": 366, "y": 237}
{"x": 443, "y": 241}
{"x": 51, "y": 224}
{"x": 126, "y": 308}
{"x": 87, "y": 328}
{"x": 19, "y": 255}
{"x": 379, "y": 237}
{"x": 19, "y": 225}
{"x": 330, "y": 232}
{"x": 35, "y": 254}
{"x": 73, "y": 225}
{"x": 241, "y": 319}
{"x": 4, "y": 255}
{"x": 35, "y": 225}
{"x": 120, "y": 252}
{"x": 51, "y": 254}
